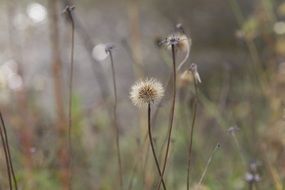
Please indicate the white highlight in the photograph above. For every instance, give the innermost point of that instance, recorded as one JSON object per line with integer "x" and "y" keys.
{"x": 37, "y": 12}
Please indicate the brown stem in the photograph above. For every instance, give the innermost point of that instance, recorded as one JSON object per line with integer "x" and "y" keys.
{"x": 191, "y": 134}
{"x": 6, "y": 155}
{"x": 88, "y": 44}
{"x": 250, "y": 185}
{"x": 69, "y": 9}
{"x": 171, "y": 113}
{"x": 8, "y": 151}
{"x": 141, "y": 158}
{"x": 152, "y": 148}
{"x": 208, "y": 163}
{"x": 56, "y": 67}
{"x": 115, "y": 120}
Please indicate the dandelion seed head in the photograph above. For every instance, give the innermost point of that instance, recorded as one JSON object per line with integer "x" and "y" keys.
{"x": 146, "y": 91}
{"x": 99, "y": 52}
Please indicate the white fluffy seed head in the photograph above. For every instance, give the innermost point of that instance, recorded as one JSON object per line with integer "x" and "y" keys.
{"x": 99, "y": 52}
{"x": 146, "y": 91}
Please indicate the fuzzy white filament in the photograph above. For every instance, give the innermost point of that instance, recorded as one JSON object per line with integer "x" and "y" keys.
{"x": 146, "y": 91}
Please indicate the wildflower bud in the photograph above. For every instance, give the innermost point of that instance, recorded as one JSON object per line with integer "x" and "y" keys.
{"x": 252, "y": 175}
{"x": 195, "y": 73}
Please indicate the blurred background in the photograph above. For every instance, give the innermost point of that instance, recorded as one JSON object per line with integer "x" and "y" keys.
{"x": 238, "y": 45}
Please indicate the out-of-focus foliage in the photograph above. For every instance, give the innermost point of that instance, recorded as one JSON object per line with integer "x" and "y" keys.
{"x": 239, "y": 47}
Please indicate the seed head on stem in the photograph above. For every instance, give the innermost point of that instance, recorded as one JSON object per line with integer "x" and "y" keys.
{"x": 144, "y": 93}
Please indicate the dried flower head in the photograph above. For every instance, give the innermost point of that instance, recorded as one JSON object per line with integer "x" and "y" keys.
{"x": 177, "y": 39}
{"x": 146, "y": 91}
{"x": 186, "y": 78}
{"x": 101, "y": 51}
{"x": 194, "y": 70}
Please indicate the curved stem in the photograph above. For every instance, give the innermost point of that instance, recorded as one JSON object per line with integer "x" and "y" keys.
{"x": 8, "y": 151}
{"x": 115, "y": 120}
{"x": 6, "y": 156}
{"x": 152, "y": 148}
{"x": 171, "y": 113}
{"x": 191, "y": 135}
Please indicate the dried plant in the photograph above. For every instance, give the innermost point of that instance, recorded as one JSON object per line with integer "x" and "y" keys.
{"x": 171, "y": 41}
{"x": 193, "y": 69}
{"x": 9, "y": 164}
{"x": 142, "y": 94}
{"x": 68, "y": 10}
{"x": 217, "y": 147}
{"x": 108, "y": 49}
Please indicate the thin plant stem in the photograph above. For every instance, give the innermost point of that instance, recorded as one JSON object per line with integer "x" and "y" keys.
{"x": 6, "y": 156}
{"x": 208, "y": 163}
{"x": 134, "y": 170}
{"x": 8, "y": 151}
{"x": 145, "y": 166}
{"x": 152, "y": 147}
{"x": 115, "y": 120}
{"x": 181, "y": 64}
{"x": 192, "y": 134}
{"x": 257, "y": 70}
{"x": 171, "y": 117}
{"x": 239, "y": 148}
{"x": 139, "y": 160}
{"x": 250, "y": 185}
{"x": 89, "y": 45}
{"x": 69, "y": 9}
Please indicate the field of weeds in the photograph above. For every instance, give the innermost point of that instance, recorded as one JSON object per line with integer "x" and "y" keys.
{"x": 142, "y": 95}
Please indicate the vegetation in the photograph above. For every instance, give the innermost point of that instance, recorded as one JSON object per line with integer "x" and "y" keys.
{"x": 79, "y": 119}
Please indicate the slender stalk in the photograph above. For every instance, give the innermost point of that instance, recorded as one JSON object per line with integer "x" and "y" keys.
{"x": 208, "y": 163}
{"x": 70, "y": 89}
{"x": 242, "y": 157}
{"x": 145, "y": 163}
{"x": 116, "y": 127}
{"x": 140, "y": 159}
{"x": 134, "y": 170}
{"x": 6, "y": 155}
{"x": 152, "y": 147}
{"x": 191, "y": 134}
{"x": 89, "y": 45}
{"x": 171, "y": 113}
{"x": 250, "y": 185}
{"x": 8, "y": 151}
